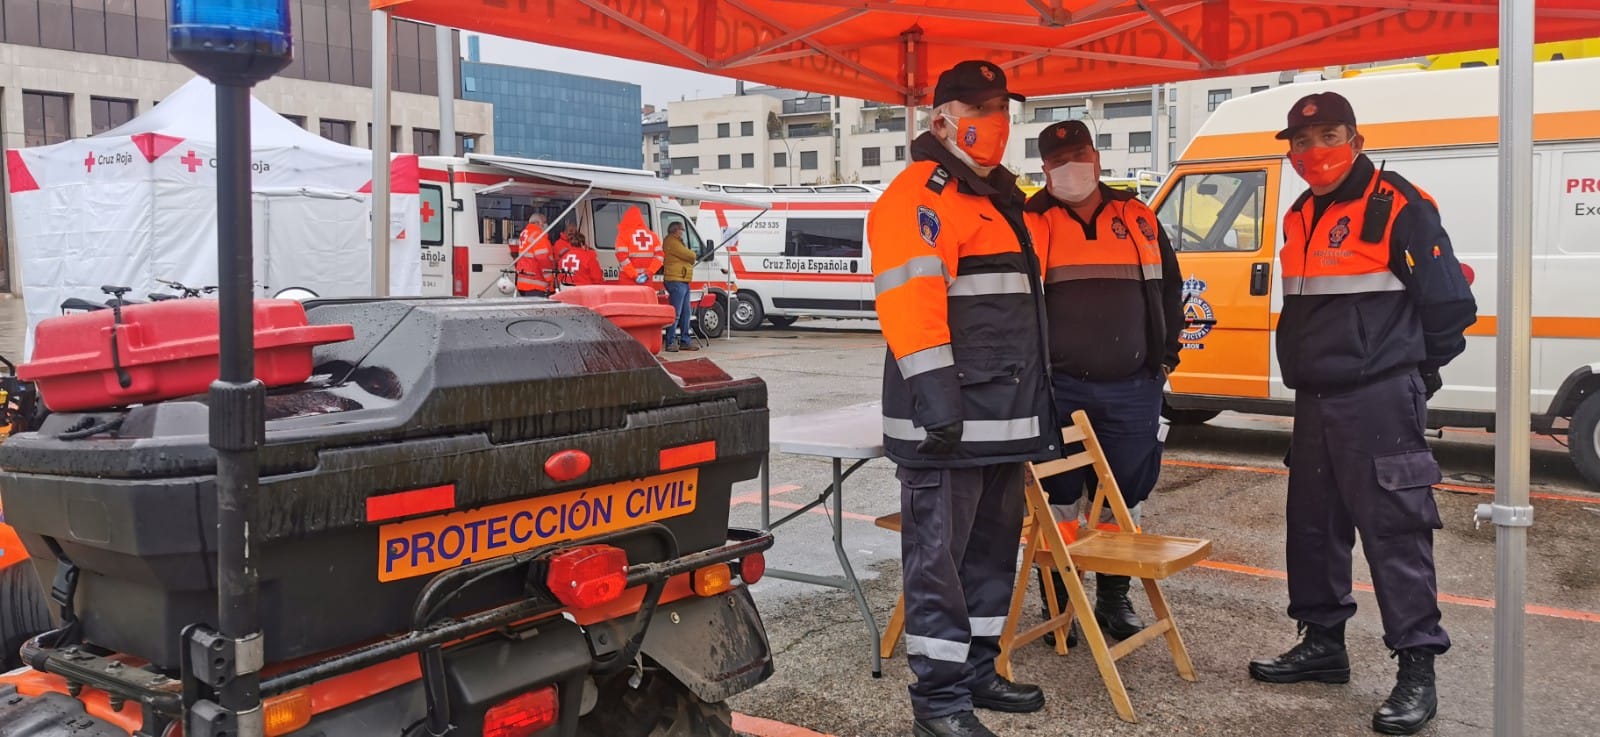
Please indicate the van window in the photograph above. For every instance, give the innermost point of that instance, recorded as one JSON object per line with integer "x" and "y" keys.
{"x": 1218, "y": 211}
{"x": 608, "y": 218}
{"x": 690, "y": 237}
{"x": 432, "y": 215}
{"x": 501, "y": 217}
{"x": 825, "y": 237}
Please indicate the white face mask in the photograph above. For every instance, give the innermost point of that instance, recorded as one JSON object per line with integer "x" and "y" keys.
{"x": 1073, "y": 181}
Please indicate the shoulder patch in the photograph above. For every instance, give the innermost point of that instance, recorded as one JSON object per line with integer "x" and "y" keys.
{"x": 928, "y": 224}
{"x": 1119, "y": 228}
{"x": 1145, "y": 228}
{"x": 938, "y": 179}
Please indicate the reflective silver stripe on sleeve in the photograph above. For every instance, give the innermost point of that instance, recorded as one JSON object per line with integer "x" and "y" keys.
{"x": 927, "y": 360}
{"x": 1078, "y": 272}
{"x": 1382, "y": 281}
{"x": 979, "y": 285}
{"x": 988, "y": 626}
{"x": 1152, "y": 271}
{"x": 935, "y": 649}
{"x": 972, "y": 431}
{"x": 916, "y": 267}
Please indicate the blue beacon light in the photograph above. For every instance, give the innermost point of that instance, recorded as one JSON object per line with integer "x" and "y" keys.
{"x": 231, "y": 41}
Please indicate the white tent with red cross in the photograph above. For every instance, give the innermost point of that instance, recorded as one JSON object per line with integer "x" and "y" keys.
{"x": 138, "y": 203}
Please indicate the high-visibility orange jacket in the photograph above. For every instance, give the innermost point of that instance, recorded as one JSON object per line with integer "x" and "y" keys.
{"x": 638, "y": 248}
{"x": 1112, "y": 287}
{"x": 1366, "y": 301}
{"x": 533, "y": 261}
{"x": 578, "y": 267}
{"x": 961, "y": 304}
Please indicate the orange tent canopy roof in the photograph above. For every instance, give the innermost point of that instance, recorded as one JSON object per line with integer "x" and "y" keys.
{"x": 884, "y": 50}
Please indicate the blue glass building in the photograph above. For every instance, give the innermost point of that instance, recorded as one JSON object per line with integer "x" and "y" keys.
{"x": 563, "y": 117}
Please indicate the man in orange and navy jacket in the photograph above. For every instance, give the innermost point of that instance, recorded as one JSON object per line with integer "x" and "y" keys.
{"x": 1115, "y": 299}
{"x": 965, "y": 394}
{"x": 1374, "y": 305}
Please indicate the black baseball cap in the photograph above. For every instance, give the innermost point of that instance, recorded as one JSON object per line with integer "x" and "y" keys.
{"x": 1322, "y": 108}
{"x": 1062, "y": 135}
{"x": 973, "y": 82}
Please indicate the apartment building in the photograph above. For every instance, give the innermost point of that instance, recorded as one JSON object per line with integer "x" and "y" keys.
{"x": 657, "y": 155}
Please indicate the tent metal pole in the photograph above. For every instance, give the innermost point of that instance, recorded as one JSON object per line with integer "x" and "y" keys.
{"x": 380, "y": 144}
{"x": 1510, "y": 512}
{"x": 445, "y": 51}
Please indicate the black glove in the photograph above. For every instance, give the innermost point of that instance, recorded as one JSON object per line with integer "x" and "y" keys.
{"x": 941, "y": 440}
{"x": 1431, "y": 383}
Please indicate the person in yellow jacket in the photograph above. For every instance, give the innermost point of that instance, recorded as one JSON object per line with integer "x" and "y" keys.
{"x": 678, "y": 273}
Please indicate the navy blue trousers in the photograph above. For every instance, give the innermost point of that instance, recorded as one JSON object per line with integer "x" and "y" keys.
{"x": 1126, "y": 417}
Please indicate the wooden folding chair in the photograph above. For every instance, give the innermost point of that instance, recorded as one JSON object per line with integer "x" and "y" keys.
{"x": 1126, "y": 552}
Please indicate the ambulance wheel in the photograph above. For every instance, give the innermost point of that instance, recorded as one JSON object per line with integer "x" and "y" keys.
{"x": 659, "y": 707}
{"x": 1584, "y": 436}
{"x": 22, "y": 612}
{"x": 713, "y": 319}
{"x": 747, "y": 312}
{"x": 781, "y": 321}
{"x": 1188, "y": 416}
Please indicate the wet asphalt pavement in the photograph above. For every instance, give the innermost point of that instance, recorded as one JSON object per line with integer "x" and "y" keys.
{"x": 1223, "y": 481}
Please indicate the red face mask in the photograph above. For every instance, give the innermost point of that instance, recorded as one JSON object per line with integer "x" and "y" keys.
{"x": 983, "y": 138}
{"x": 1324, "y": 166}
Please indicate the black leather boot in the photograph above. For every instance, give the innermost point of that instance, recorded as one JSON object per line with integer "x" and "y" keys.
{"x": 999, "y": 694}
{"x": 1066, "y": 604}
{"x": 1414, "y": 699}
{"x": 1112, "y": 608}
{"x": 959, "y": 724}
{"x": 1320, "y": 656}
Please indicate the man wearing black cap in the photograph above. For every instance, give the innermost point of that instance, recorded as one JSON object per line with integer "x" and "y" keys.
{"x": 965, "y": 394}
{"x": 1374, "y": 306}
{"x": 1115, "y": 298}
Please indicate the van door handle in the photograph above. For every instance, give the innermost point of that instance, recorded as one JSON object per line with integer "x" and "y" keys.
{"x": 1260, "y": 277}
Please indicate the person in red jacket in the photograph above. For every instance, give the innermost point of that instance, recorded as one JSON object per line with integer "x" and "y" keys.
{"x": 578, "y": 264}
{"x": 639, "y": 256}
{"x": 531, "y": 256}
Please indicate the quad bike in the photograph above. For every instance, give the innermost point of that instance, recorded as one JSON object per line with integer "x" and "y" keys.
{"x": 472, "y": 517}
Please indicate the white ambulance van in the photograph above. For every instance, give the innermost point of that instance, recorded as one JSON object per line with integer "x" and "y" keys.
{"x": 806, "y": 256}
{"x": 474, "y": 209}
{"x": 1224, "y": 201}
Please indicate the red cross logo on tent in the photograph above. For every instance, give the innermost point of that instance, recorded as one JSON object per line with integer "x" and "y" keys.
{"x": 428, "y": 212}
{"x": 88, "y": 162}
{"x": 191, "y": 161}
{"x": 642, "y": 239}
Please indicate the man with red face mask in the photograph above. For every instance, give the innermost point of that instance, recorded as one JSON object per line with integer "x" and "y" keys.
{"x": 1374, "y": 306}
{"x": 965, "y": 394}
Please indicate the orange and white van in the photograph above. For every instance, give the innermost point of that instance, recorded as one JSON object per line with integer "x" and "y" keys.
{"x": 474, "y": 207}
{"x": 806, "y": 256}
{"x": 1224, "y": 201}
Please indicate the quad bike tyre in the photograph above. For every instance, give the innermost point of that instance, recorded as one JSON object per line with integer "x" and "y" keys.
{"x": 659, "y": 707}
{"x": 22, "y": 612}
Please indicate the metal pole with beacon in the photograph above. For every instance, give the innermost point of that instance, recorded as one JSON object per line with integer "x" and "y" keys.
{"x": 235, "y": 44}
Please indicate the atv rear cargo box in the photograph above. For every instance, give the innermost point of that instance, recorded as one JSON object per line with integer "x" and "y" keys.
{"x": 417, "y": 446}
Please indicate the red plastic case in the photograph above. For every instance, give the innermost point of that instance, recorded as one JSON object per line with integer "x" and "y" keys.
{"x": 166, "y": 350}
{"x": 635, "y": 309}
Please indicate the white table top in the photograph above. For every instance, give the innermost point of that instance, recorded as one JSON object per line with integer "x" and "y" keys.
{"x": 855, "y": 431}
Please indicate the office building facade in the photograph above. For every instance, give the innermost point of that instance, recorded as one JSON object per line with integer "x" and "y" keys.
{"x": 541, "y": 114}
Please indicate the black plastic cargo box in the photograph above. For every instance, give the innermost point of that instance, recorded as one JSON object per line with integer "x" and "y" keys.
{"x": 418, "y": 446}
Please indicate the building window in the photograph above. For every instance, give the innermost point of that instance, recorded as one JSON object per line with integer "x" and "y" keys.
{"x": 337, "y": 131}
{"x": 1126, "y": 110}
{"x": 1139, "y": 142}
{"x": 394, "y": 138}
{"x": 871, "y": 156}
{"x": 106, "y": 113}
{"x": 46, "y": 118}
{"x": 470, "y": 83}
{"x": 1031, "y": 148}
{"x": 466, "y": 143}
{"x": 1172, "y": 151}
{"x": 685, "y": 164}
{"x": 1172, "y": 121}
{"x": 722, "y": 130}
{"x": 747, "y": 161}
{"x": 1102, "y": 141}
{"x": 724, "y": 161}
{"x": 1059, "y": 113}
{"x": 683, "y": 134}
{"x": 747, "y": 128}
{"x": 1261, "y": 88}
{"x": 899, "y": 153}
{"x": 1217, "y": 97}
{"x": 424, "y": 142}
{"x": 298, "y": 120}
{"x": 655, "y": 158}
{"x": 780, "y": 160}
{"x": 808, "y": 161}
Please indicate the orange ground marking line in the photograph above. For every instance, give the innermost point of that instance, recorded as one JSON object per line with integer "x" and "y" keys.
{"x": 1576, "y": 615}
{"x": 754, "y": 497}
{"x": 758, "y": 727}
{"x": 1446, "y": 487}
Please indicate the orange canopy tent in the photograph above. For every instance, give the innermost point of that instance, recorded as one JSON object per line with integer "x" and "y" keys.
{"x": 892, "y": 50}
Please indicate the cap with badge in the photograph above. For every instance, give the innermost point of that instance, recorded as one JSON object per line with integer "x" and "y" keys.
{"x": 972, "y": 82}
{"x": 1322, "y": 108}
{"x": 1064, "y": 135}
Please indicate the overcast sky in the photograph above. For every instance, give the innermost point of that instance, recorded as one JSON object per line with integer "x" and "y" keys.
{"x": 658, "y": 85}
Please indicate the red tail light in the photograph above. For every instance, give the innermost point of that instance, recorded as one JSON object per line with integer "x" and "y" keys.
{"x": 460, "y": 270}
{"x": 589, "y": 576}
{"x": 521, "y": 716}
{"x": 752, "y": 568}
{"x": 567, "y": 465}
